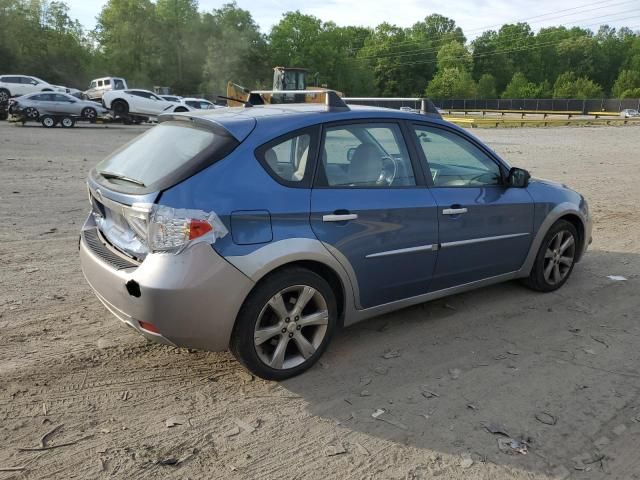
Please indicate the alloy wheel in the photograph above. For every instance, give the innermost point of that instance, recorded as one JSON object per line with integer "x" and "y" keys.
{"x": 291, "y": 327}
{"x": 31, "y": 113}
{"x": 559, "y": 257}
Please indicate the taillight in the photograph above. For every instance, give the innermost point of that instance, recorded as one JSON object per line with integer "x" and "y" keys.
{"x": 197, "y": 228}
{"x": 173, "y": 229}
{"x": 149, "y": 327}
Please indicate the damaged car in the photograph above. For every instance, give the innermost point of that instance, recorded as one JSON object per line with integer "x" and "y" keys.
{"x": 266, "y": 228}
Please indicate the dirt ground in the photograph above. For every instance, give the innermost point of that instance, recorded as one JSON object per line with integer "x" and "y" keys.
{"x": 559, "y": 371}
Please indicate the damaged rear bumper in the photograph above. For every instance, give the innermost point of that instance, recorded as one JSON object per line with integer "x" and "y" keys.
{"x": 191, "y": 298}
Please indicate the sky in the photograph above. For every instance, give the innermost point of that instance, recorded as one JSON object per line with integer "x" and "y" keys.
{"x": 473, "y": 16}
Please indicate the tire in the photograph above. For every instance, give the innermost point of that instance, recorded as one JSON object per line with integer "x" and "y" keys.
{"x": 555, "y": 259}
{"x": 5, "y": 95}
{"x": 90, "y": 114}
{"x": 67, "y": 122}
{"x": 285, "y": 332}
{"x": 180, "y": 109}
{"x": 31, "y": 113}
{"x": 120, "y": 107}
{"x": 48, "y": 121}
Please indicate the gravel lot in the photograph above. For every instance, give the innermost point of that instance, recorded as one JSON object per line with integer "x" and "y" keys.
{"x": 558, "y": 370}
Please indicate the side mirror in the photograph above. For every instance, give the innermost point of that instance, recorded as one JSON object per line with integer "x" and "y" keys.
{"x": 518, "y": 178}
{"x": 350, "y": 153}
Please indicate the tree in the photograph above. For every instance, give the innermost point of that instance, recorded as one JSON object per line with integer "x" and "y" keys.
{"x": 128, "y": 36}
{"x": 520, "y": 87}
{"x": 454, "y": 55}
{"x": 487, "y": 86}
{"x": 568, "y": 85}
{"x": 451, "y": 83}
{"x": 626, "y": 84}
{"x": 236, "y": 50}
{"x": 181, "y": 56}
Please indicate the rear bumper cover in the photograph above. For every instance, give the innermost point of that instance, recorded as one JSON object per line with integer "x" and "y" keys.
{"x": 192, "y": 298}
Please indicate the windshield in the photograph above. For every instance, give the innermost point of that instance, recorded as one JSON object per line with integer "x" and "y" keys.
{"x": 156, "y": 154}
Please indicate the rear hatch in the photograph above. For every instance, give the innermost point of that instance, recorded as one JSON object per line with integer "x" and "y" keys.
{"x": 124, "y": 187}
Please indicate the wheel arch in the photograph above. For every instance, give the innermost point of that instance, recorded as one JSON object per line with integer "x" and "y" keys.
{"x": 303, "y": 253}
{"x": 324, "y": 271}
{"x": 563, "y": 211}
{"x": 578, "y": 223}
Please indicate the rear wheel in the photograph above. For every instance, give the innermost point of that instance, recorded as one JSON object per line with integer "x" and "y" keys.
{"x": 4, "y": 95}
{"x": 285, "y": 324}
{"x": 180, "y": 109}
{"x": 555, "y": 259}
{"x": 67, "y": 122}
{"x": 120, "y": 107}
{"x": 48, "y": 121}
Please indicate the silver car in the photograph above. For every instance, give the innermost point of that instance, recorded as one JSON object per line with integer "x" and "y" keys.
{"x": 37, "y": 105}
{"x": 629, "y": 113}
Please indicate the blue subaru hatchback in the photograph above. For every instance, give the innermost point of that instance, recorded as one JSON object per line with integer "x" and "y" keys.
{"x": 264, "y": 229}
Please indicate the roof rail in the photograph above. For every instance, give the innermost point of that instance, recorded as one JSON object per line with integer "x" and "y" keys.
{"x": 331, "y": 98}
{"x": 427, "y": 107}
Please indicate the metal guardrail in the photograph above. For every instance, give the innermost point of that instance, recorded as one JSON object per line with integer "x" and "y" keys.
{"x": 546, "y": 122}
{"x": 539, "y": 104}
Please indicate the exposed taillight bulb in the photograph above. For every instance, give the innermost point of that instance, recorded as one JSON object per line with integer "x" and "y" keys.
{"x": 197, "y": 228}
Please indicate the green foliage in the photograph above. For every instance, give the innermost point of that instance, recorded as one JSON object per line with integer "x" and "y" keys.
{"x": 487, "y": 86}
{"x": 452, "y": 83}
{"x": 39, "y": 38}
{"x": 236, "y": 50}
{"x": 568, "y": 85}
{"x": 454, "y": 55}
{"x": 172, "y": 43}
{"x": 520, "y": 87}
{"x": 328, "y": 51}
{"x": 626, "y": 84}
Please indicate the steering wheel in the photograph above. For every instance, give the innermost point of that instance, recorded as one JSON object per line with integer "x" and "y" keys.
{"x": 388, "y": 172}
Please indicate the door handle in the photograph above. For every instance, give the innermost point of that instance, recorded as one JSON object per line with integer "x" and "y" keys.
{"x": 339, "y": 217}
{"x": 454, "y": 211}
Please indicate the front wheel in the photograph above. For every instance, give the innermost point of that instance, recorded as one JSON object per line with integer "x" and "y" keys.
{"x": 555, "y": 259}
{"x": 4, "y": 95}
{"x": 285, "y": 324}
{"x": 31, "y": 113}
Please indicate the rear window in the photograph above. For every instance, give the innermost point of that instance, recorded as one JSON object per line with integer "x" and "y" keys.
{"x": 168, "y": 151}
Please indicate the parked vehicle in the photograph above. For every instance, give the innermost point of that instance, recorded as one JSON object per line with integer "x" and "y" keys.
{"x": 99, "y": 86}
{"x": 199, "y": 103}
{"x": 16, "y": 85}
{"x": 629, "y": 113}
{"x": 171, "y": 98}
{"x": 37, "y": 104}
{"x": 264, "y": 229}
{"x": 143, "y": 102}
{"x": 195, "y": 103}
{"x": 50, "y": 108}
